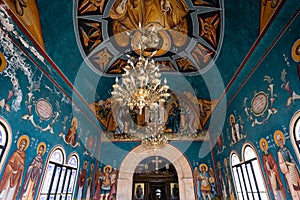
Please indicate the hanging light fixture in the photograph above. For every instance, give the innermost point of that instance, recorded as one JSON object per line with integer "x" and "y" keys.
{"x": 156, "y": 139}
{"x": 140, "y": 85}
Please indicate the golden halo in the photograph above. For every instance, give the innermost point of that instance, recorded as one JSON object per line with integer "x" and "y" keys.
{"x": 203, "y": 165}
{"x": 230, "y": 119}
{"x": 23, "y": 137}
{"x": 296, "y": 51}
{"x": 279, "y": 133}
{"x": 225, "y": 162}
{"x": 41, "y": 144}
{"x": 219, "y": 165}
{"x": 260, "y": 143}
{"x": 74, "y": 122}
{"x": 85, "y": 164}
{"x": 2, "y": 62}
{"x": 107, "y": 167}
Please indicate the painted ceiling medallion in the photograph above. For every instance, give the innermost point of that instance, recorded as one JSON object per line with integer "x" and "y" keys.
{"x": 261, "y": 106}
{"x": 43, "y": 109}
{"x": 259, "y": 103}
{"x": 186, "y": 36}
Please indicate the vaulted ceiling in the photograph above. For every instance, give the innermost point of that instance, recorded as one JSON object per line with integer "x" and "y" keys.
{"x": 205, "y": 47}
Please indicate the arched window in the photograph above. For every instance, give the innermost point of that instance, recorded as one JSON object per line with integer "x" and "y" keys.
{"x": 249, "y": 182}
{"x": 59, "y": 178}
{"x": 5, "y": 139}
{"x": 295, "y": 133}
{"x": 239, "y": 185}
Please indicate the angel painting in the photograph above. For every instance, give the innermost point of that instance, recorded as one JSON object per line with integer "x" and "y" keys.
{"x": 107, "y": 181}
{"x": 203, "y": 181}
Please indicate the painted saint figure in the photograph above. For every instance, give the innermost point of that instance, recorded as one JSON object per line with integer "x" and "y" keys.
{"x": 188, "y": 119}
{"x": 221, "y": 182}
{"x": 13, "y": 173}
{"x": 173, "y": 121}
{"x": 287, "y": 165}
{"x": 228, "y": 180}
{"x": 139, "y": 194}
{"x": 205, "y": 186}
{"x": 71, "y": 135}
{"x": 108, "y": 183}
{"x": 153, "y": 15}
{"x": 33, "y": 174}
{"x": 89, "y": 183}
{"x": 81, "y": 180}
{"x": 271, "y": 170}
{"x": 235, "y": 129}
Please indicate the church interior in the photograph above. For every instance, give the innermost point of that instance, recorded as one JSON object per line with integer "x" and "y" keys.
{"x": 149, "y": 99}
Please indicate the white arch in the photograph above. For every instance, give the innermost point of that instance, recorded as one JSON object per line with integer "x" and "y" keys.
{"x": 293, "y": 132}
{"x": 5, "y": 127}
{"x": 169, "y": 152}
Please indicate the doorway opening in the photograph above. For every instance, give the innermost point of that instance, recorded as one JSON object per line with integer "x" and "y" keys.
{"x": 155, "y": 178}
{"x": 169, "y": 152}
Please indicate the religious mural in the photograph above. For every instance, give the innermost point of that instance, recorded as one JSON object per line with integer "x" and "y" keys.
{"x": 182, "y": 117}
{"x": 261, "y": 106}
{"x": 237, "y": 132}
{"x": 28, "y": 14}
{"x": 272, "y": 172}
{"x": 35, "y": 111}
{"x": 13, "y": 172}
{"x": 46, "y": 112}
{"x": 267, "y": 10}
{"x": 204, "y": 182}
{"x": 34, "y": 173}
{"x": 167, "y": 32}
{"x": 287, "y": 165}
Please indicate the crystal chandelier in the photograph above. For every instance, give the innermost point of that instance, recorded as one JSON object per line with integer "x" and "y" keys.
{"x": 156, "y": 140}
{"x": 140, "y": 85}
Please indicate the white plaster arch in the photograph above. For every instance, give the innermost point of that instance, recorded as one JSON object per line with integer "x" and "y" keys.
{"x": 169, "y": 152}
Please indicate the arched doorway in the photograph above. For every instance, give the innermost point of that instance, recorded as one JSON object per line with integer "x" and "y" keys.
{"x": 155, "y": 178}
{"x": 170, "y": 153}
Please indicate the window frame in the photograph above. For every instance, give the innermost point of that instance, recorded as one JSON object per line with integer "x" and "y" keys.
{"x": 246, "y": 175}
{"x": 64, "y": 170}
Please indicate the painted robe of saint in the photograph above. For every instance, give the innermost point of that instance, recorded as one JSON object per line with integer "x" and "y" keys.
{"x": 173, "y": 121}
{"x": 271, "y": 170}
{"x": 71, "y": 135}
{"x": 89, "y": 183}
{"x": 81, "y": 180}
{"x": 12, "y": 176}
{"x": 202, "y": 184}
{"x": 33, "y": 174}
{"x": 287, "y": 165}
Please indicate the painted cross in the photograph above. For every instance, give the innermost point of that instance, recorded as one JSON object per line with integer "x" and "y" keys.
{"x": 156, "y": 161}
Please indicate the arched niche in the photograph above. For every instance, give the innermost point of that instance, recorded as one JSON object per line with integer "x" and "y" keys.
{"x": 176, "y": 157}
{"x": 294, "y": 133}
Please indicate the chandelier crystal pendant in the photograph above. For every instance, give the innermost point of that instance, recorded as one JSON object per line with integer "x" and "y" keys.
{"x": 156, "y": 140}
{"x": 140, "y": 85}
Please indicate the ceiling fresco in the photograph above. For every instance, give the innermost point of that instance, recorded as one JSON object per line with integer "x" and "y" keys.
{"x": 184, "y": 36}
{"x": 192, "y": 40}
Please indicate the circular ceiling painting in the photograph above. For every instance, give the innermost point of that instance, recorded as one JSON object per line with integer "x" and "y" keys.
{"x": 182, "y": 35}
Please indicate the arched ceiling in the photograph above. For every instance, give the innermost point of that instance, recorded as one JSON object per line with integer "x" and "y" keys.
{"x": 202, "y": 45}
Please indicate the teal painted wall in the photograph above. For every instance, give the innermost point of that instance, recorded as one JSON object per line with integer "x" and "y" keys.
{"x": 273, "y": 63}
